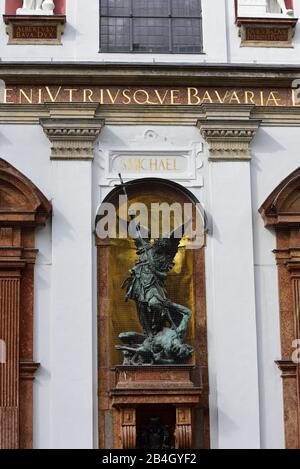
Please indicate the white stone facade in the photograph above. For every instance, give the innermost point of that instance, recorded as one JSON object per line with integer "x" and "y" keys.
{"x": 246, "y": 400}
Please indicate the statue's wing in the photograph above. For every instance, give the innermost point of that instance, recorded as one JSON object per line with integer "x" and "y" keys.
{"x": 168, "y": 244}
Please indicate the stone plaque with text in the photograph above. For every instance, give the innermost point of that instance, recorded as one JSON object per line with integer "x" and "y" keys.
{"x": 41, "y": 30}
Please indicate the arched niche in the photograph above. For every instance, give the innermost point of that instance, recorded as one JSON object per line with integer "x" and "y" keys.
{"x": 121, "y": 410}
{"x": 281, "y": 212}
{"x": 22, "y": 208}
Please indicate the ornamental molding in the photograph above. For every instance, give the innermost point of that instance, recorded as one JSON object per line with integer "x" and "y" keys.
{"x": 229, "y": 131}
{"x": 271, "y": 116}
{"x": 288, "y": 368}
{"x": 72, "y": 131}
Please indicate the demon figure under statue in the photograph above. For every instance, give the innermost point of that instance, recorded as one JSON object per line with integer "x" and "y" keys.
{"x": 164, "y": 323}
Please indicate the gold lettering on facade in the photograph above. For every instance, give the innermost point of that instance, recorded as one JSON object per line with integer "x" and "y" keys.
{"x": 52, "y": 97}
{"x": 7, "y": 96}
{"x": 28, "y": 96}
{"x": 71, "y": 92}
{"x": 249, "y": 97}
{"x": 126, "y": 95}
{"x": 145, "y": 164}
{"x": 161, "y": 99}
{"x": 220, "y": 99}
{"x": 234, "y": 99}
{"x": 191, "y": 96}
{"x": 142, "y": 97}
{"x": 272, "y": 100}
{"x": 175, "y": 97}
{"x": 88, "y": 95}
{"x": 207, "y": 98}
{"x": 113, "y": 99}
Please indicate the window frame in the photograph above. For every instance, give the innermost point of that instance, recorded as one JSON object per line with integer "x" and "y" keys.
{"x": 104, "y": 50}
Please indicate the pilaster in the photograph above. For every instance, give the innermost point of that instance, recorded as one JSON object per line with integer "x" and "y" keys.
{"x": 229, "y": 131}
{"x": 72, "y": 131}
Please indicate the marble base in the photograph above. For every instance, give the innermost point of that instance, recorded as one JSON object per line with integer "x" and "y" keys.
{"x": 26, "y": 12}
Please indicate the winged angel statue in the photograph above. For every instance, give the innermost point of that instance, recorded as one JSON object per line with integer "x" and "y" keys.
{"x": 164, "y": 323}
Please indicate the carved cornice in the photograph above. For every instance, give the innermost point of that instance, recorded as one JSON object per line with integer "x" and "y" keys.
{"x": 72, "y": 139}
{"x": 72, "y": 130}
{"x": 289, "y": 258}
{"x": 270, "y": 116}
{"x": 229, "y": 131}
{"x": 28, "y": 370}
{"x": 287, "y": 368}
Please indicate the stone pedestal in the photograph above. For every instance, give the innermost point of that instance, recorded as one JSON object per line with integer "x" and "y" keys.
{"x": 150, "y": 386}
{"x": 26, "y": 12}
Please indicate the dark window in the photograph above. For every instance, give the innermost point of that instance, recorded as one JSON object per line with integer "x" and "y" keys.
{"x": 161, "y": 26}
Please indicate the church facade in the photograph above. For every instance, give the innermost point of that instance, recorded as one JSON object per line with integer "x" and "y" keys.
{"x": 192, "y": 103}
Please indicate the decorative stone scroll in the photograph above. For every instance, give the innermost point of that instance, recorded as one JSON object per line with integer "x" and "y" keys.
{"x": 22, "y": 209}
{"x": 282, "y": 212}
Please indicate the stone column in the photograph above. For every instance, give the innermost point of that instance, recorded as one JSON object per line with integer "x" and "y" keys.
{"x": 288, "y": 263}
{"x": 72, "y": 131}
{"x": 128, "y": 429}
{"x": 9, "y": 378}
{"x": 183, "y": 431}
{"x": 234, "y": 403}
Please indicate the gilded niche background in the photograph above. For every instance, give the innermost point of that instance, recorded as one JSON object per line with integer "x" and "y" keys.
{"x": 122, "y": 256}
{"x": 129, "y": 395}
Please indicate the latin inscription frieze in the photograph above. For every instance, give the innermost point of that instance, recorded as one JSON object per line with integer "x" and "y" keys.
{"x": 152, "y": 96}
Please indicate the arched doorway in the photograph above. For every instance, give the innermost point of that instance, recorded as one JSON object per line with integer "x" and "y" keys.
{"x": 130, "y": 397}
{"x": 281, "y": 211}
{"x": 22, "y": 209}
